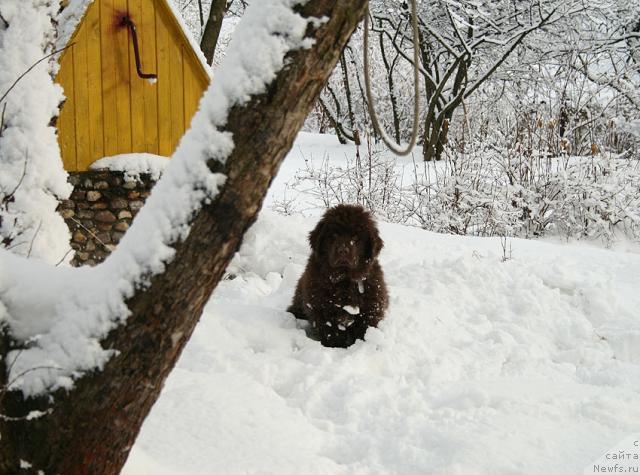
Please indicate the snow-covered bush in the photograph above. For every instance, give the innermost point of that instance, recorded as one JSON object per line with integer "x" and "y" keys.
{"x": 368, "y": 179}
{"x": 487, "y": 191}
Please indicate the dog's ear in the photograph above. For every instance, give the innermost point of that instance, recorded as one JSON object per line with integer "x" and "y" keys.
{"x": 373, "y": 245}
{"x": 317, "y": 236}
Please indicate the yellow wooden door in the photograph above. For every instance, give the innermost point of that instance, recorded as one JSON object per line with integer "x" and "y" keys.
{"x": 109, "y": 109}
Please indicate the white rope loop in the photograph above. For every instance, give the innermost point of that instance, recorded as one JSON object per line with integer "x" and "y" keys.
{"x": 389, "y": 142}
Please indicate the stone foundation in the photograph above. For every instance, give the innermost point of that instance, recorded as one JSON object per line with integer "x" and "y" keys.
{"x": 100, "y": 211}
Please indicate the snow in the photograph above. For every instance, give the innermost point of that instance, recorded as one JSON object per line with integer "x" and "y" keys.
{"x": 63, "y": 313}
{"x": 528, "y": 366}
{"x": 189, "y": 36}
{"x": 69, "y": 19}
{"x": 351, "y": 310}
{"x": 134, "y": 164}
{"x": 30, "y": 160}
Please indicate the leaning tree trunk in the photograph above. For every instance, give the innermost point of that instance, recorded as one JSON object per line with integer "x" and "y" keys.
{"x": 92, "y": 427}
{"x": 212, "y": 29}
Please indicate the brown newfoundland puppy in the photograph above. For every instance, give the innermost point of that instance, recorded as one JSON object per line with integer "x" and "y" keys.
{"x": 342, "y": 291}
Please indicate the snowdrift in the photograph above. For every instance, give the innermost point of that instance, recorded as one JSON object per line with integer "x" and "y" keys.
{"x": 528, "y": 366}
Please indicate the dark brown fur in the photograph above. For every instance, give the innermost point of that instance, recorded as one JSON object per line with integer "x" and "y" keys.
{"x": 342, "y": 270}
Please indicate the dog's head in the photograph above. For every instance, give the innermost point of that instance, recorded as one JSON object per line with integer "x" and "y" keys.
{"x": 346, "y": 238}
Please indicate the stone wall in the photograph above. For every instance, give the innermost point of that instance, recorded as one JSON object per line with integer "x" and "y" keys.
{"x": 100, "y": 211}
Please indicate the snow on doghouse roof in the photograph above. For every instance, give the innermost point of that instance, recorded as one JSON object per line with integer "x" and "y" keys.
{"x": 74, "y": 10}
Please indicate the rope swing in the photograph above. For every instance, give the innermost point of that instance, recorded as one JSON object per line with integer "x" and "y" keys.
{"x": 389, "y": 142}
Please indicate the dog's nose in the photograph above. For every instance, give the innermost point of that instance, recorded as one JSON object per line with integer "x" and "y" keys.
{"x": 343, "y": 250}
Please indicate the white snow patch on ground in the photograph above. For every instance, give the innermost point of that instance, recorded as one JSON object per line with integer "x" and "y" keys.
{"x": 527, "y": 366}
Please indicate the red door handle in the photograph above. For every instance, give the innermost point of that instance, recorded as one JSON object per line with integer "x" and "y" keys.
{"x": 128, "y": 22}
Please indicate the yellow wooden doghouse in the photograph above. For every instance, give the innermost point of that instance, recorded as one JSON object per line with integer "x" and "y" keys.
{"x": 114, "y": 104}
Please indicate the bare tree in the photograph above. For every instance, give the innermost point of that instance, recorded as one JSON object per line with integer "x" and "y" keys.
{"x": 461, "y": 47}
{"x": 343, "y": 121}
{"x": 91, "y": 428}
{"x": 574, "y": 85}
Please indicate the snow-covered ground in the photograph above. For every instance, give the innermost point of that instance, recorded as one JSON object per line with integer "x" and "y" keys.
{"x": 482, "y": 366}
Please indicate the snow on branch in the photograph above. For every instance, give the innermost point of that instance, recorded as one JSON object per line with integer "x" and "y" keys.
{"x": 66, "y": 312}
